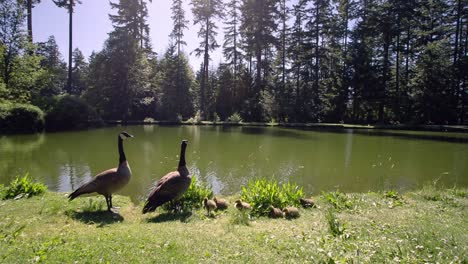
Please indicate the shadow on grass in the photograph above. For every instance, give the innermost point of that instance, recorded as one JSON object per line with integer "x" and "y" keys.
{"x": 166, "y": 217}
{"x": 101, "y": 218}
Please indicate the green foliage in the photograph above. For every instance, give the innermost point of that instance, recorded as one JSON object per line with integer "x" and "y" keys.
{"x": 20, "y": 118}
{"x": 336, "y": 227}
{"x": 23, "y": 187}
{"x": 235, "y": 118}
{"x": 392, "y": 194}
{"x": 396, "y": 199}
{"x": 197, "y": 119}
{"x": 338, "y": 200}
{"x": 263, "y": 193}
{"x": 216, "y": 118}
{"x": 10, "y": 231}
{"x": 69, "y": 112}
{"x": 191, "y": 199}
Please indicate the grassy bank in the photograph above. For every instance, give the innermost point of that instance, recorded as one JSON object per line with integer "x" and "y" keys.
{"x": 424, "y": 226}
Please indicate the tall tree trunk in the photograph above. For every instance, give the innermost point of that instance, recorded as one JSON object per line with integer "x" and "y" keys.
{"x": 283, "y": 47}
{"x": 457, "y": 92}
{"x": 205, "y": 71}
{"x": 30, "y": 32}
{"x": 383, "y": 92}
{"x": 317, "y": 32}
{"x": 344, "y": 82}
{"x": 397, "y": 71}
{"x": 70, "y": 46}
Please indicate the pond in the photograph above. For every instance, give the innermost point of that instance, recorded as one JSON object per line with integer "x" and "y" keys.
{"x": 227, "y": 157}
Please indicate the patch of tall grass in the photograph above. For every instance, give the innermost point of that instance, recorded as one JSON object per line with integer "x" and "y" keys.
{"x": 261, "y": 194}
{"x": 22, "y": 187}
{"x": 338, "y": 200}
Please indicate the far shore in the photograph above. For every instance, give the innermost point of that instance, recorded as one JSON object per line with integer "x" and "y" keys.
{"x": 434, "y": 128}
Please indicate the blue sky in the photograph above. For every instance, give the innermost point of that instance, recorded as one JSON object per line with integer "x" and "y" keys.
{"x": 91, "y": 24}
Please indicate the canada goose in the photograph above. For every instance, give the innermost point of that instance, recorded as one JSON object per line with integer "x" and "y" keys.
{"x": 171, "y": 186}
{"x": 221, "y": 204}
{"x": 291, "y": 212}
{"x": 109, "y": 181}
{"x": 242, "y": 205}
{"x": 209, "y": 205}
{"x": 306, "y": 203}
{"x": 275, "y": 212}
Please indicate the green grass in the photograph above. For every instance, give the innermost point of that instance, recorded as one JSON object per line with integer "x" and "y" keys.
{"x": 49, "y": 229}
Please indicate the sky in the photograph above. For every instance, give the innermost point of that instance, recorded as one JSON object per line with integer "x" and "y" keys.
{"x": 91, "y": 25}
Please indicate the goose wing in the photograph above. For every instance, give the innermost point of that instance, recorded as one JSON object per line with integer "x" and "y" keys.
{"x": 101, "y": 183}
{"x": 169, "y": 187}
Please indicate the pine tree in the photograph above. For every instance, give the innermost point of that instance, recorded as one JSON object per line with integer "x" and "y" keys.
{"x": 205, "y": 12}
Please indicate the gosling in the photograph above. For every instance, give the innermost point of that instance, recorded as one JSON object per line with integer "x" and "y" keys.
{"x": 291, "y": 212}
{"x": 221, "y": 204}
{"x": 306, "y": 203}
{"x": 275, "y": 212}
{"x": 242, "y": 205}
{"x": 209, "y": 205}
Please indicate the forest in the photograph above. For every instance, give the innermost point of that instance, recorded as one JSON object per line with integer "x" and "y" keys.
{"x": 333, "y": 61}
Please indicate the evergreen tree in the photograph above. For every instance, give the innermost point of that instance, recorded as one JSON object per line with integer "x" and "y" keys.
{"x": 79, "y": 72}
{"x": 69, "y": 5}
{"x": 205, "y": 12}
{"x": 258, "y": 26}
{"x": 176, "y": 97}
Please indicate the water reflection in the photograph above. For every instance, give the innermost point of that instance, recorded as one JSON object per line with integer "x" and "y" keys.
{"x": 227, "y": 157}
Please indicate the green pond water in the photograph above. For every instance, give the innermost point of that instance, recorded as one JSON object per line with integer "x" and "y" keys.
{"x": 227, "y": 157}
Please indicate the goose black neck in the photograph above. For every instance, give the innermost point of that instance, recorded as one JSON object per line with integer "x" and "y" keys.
{"x": 122, "y": 157}
{"x": 182, "y": 155}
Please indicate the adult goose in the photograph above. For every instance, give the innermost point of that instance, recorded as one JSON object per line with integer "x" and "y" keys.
{"x": 108, "y": 182}
{"x": 171, "y": 186}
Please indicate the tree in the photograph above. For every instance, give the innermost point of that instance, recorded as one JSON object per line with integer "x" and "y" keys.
{"x": 11, "y": 36}
{"x": 180, "y": 24}
{"x": 120, "y": 74}
{"x": 69, "y": 5}
{"x": 55, "y": 67}
{"x": 257, "y": 28}
{"x": 204, "y": 12}
{"x": 29, "y": 6}
{"x": 79, "y": 72}
{"x": 176, "y": 97}
{"x": 19, "y": 70}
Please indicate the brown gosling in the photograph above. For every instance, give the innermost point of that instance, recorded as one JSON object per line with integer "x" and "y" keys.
{"x": 242, "y": 205}
{"x": 221, "y": 204}
{"x": 291, "y": 212}
{"x": 275, "y": 212}
{"x": 306, "y": 203}
{"x": 209, "y": 205}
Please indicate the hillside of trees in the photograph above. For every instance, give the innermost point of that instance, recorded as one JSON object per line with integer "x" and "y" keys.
{"x": 351, "y": 61}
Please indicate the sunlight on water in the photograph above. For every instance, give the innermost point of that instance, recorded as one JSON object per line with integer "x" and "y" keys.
{"x": 227, "y": 157}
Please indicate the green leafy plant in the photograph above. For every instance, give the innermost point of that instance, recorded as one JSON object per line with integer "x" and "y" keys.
{"x": 392, "y": 194}
{"x": 235, "y": 118}
{"x": 338, "y": 200}
{"x": 263, "y": 193}
{"x": 336, "y": 227}
{"x": 192, "y": 198}
{"x": 23, "y": 187}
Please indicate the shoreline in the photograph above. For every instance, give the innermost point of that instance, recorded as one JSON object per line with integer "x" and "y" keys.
{"x": 429, "y": 128}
